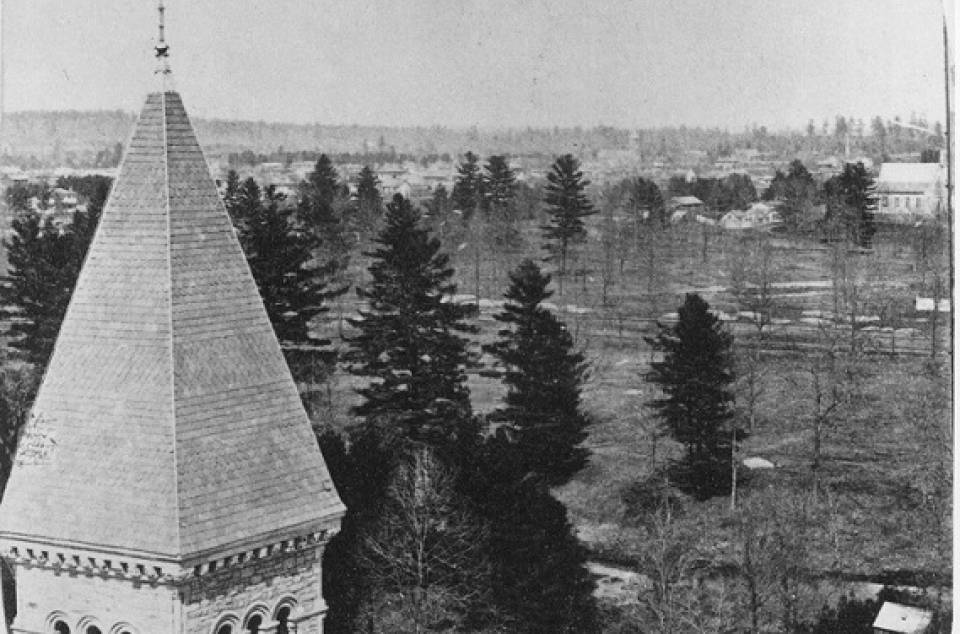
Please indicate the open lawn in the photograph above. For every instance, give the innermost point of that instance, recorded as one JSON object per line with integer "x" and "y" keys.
{"x": 880, "y": 507}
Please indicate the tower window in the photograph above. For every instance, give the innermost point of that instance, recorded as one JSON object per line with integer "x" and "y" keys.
{"x": 226, "y": 628}
{"x": 254, "y": 623}
{"x": 61, "y": 628}
{"x": 283, "y": 615}
{"x": 93, "y": 629}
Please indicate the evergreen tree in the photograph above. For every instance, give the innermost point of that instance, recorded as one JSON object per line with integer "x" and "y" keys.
{"x": 647, "y": 201}
{"x": 467, "y": 188}
{"x": 544, "y": 376}
{"x": 851, "y": 204}
{"x": 410, "y": 339}
{"x": 323, "y": 200}
{"x": 696, "y": 378}
{"x": 540, "y": 579}
{"x": 796, "y": 190}
{"x": 567, "y": 206}
{"x": 231, "y": 190}
{"x": 368, "y": 202}
{"x": 293, "y": 287}
{"x": 18, "y": 386}
{"x": 362, "y": 477}
{"x": 44, "y": 262}
{"x": 736, "y": 191}
{"x": 499, "y": 185}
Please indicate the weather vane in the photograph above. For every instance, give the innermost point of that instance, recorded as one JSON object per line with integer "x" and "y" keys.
{"x": 162, "y": 49}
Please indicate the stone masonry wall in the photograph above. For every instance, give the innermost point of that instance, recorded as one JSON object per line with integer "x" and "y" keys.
{"x": 77, "y": 595}
{"x": 260, "y": 584}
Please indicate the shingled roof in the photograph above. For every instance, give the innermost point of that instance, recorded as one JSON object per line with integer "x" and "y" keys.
{"x": 168, "y": 424}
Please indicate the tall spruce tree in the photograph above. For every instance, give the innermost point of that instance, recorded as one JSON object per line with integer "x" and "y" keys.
{"x": 796, "y": 190}
{"x": 544, "y": 375}
{"x": 43, "y": 264}
{"x": 568, "y": 206}
{"x": 467, "y": 187}
{"x": 540, "y": 579}
{"x": 696, "y": 379}
{"x": 647, "y": 201}
{"x": 294, "y": 287}
{"x": 323, "y": 200}
{"x": 410, "y": 335}
{"x": 499, "y": 185}
{"x": 369, "y": 201}
{"x": 851, "y": 205}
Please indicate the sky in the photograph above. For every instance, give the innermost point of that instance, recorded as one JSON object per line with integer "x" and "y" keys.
{"x": 489, "y": 63}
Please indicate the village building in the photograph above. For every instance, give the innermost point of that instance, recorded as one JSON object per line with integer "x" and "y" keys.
{"x": 685, "y": 207}
{"x": 907, "y": 192}
{"x": 167, "y": 479}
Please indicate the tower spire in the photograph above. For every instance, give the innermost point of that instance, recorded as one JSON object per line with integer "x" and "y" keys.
{"x": 162, "y": 48}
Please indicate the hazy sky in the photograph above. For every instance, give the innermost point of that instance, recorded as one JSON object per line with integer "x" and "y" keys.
{"x": 492, "y": 63}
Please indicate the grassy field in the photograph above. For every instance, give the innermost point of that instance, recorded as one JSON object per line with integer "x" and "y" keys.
{"x": 879, "y": 510}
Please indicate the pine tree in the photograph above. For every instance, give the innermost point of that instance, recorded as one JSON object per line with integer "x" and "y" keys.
{"x": 18, "y": 386}
{"x": 499, "y": 185}
{"x": 44, "y": 262}
{"x": 369, "y": 200}
{"x": 567, "y": 206}
{"x": 796, "y": 190}
{"x": 323, "y": 200}
{"x": 294, "y": 288}
{"x": 467, "y": 188}
{"x": 851, "y": 204}
{"x": 410, "y": 339}
{"x": 647, "y": 201}
{"x": 540, "y": 579}
{"x": 231, "y": 190}
{"x": 544, "y": 376}
{"x": 696, "y": 378}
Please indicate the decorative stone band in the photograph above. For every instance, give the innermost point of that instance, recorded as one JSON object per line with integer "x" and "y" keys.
{"x": 92, "y": 564}
{"x": 270, "y": 551}
{"x": 136, "y": 571}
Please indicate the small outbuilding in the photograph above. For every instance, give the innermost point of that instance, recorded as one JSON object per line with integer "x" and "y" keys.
{"x": 895, "y": 618}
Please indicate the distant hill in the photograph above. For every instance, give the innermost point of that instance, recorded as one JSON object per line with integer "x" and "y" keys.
{"x": 94, "y": 138}
{"x": 61, "y": 137}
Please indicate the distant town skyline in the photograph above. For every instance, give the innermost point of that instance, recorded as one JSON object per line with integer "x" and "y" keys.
{"x": 506, "y": 63}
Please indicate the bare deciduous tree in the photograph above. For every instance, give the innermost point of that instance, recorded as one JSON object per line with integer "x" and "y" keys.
{"x": 773, "y": 533}
{"x": 425, "y": 556}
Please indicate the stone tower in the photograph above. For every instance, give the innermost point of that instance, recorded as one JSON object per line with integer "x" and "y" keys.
{"x": 167, "y": 480}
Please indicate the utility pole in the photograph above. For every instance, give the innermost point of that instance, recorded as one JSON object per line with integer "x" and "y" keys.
{"x": 948, "y": 137}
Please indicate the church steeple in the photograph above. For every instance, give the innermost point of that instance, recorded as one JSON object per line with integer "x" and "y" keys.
{"x": 168, "y": 461}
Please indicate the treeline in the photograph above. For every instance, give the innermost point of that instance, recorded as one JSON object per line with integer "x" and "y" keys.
{"x": 87, "y": 139}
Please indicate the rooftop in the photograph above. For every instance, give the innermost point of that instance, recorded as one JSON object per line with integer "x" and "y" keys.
{"x": 168, "y": 424}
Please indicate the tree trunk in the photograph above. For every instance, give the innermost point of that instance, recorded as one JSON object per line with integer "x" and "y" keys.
{"x": 733, "y": 469}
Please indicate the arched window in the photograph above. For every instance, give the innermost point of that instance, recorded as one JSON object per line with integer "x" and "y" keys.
{"x": 93, "y": 629}
{"x": 254, "y": 623}
{"x": 228, "y": 624}
{"x": 283, "y": 615}
{"x": 61, "y": 628}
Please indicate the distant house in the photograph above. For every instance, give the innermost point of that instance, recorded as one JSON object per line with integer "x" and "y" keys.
{"x": 685, "y": 208}
{"x": 829, "y": 166}
{"x": 894, "y": 618}
{"x": 910, "y": 191}
{"x": 758, "y": 216}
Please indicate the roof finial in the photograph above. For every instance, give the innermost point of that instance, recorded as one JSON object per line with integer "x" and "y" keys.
{"x": 162, "y": 49}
